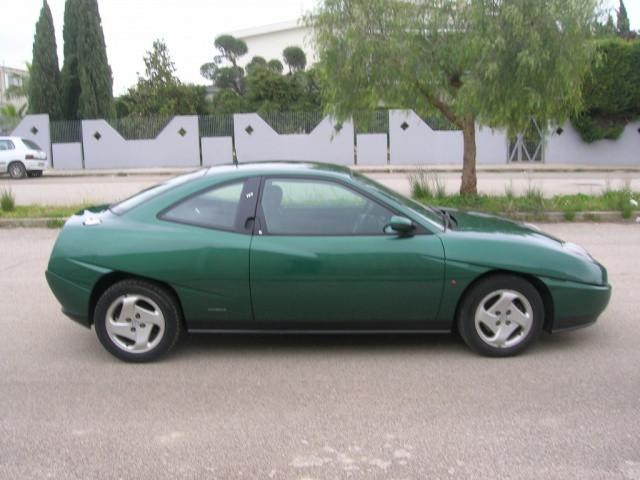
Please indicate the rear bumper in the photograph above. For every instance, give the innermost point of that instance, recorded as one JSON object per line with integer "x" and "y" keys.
{"x": 576, "y": 305}
{"x": 31, "y": 165}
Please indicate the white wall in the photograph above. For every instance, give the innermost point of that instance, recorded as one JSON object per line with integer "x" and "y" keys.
{"x": 324, "y": 144}
{"x": 568, "y": 148}
{"x": 168, "y": 149}
{"x": 416, "y": 145}
{"x": 68, "y": 156}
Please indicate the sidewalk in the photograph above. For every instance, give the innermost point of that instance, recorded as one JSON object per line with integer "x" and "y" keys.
{"x": 507, "y": 168}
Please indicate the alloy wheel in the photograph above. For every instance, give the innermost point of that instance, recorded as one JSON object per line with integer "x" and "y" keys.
{"x": 503, "y": 318}
{"x": 135, "y": 323}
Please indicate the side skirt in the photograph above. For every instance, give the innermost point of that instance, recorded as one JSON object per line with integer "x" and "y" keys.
{"x": 309, "y": 332}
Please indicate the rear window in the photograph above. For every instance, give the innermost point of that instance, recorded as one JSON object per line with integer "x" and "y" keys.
{"x": 151, "y": 192}
{"x": 30, "y": 144}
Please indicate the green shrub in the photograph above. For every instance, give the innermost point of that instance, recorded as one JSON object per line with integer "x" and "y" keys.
{"x": 611, "y": 92}
{"x": 7, "y": 200}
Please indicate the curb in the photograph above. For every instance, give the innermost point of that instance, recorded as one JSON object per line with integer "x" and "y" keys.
{"x": 550, "y": 217}
{"x": 496, "y": 168}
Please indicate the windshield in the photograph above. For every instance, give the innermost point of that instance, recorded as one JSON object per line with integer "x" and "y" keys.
{"x": 420, "y": 209}
{"x": 30, "y": 144}
{"x": 148, "y": 193}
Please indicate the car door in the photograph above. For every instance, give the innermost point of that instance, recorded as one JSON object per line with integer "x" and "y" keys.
{"x": 321, "y": 260}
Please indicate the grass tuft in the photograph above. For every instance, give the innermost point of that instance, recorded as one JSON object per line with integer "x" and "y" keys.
{"x": 424, "y": 183}
{"x": 7, "y": 200}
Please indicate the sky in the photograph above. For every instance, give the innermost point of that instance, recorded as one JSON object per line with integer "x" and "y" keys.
{"x": 189, "y": 28}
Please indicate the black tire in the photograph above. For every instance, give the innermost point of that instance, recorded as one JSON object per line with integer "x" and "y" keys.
{"x": 165, "y": 300}
{"x": 17, "y": 170}
{"x": 482, "y": 291}
{"x": 34, "y": 173}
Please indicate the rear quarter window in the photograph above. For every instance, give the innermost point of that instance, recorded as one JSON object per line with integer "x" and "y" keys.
{"x": 30, "y": 144}
{"x": 125, "y": 205}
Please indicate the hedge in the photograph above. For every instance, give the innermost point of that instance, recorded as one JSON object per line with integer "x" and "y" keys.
{"x": 611, "y": 92}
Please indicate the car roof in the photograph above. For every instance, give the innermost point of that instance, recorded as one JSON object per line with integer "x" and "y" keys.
{"x": 283, "y": 168}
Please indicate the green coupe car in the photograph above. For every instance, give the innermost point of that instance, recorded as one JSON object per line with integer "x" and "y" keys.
{"x": 302, "y": 247}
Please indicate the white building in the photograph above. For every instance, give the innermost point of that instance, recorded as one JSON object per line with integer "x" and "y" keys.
{"x": 12, "y": 77}
{"x": 269, "y": 41}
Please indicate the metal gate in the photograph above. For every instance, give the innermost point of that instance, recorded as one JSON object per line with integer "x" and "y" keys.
{"x": 527, "y": 146}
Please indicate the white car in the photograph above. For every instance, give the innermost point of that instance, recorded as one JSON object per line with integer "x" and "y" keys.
{"x": 21, "y": 157}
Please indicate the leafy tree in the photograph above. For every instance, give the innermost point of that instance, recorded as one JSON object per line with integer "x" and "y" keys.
{"x": 158, "y": 66}
{"x": 160, "y": 92}
{"x": 495, "y": 63}
{"x": 230, "y": 48}
{"x": 256, "y": 63}
{"x": 295, "y": 58}
{"x": 227, "y": 101}
{"x": 45, "y": 84}
{"x": 12, "y": 112}
{"x": 623, "y": 27}
{"x": 275, "y": 65}
{"x": 86, "y": 75}
{"x": 226, "y": 76}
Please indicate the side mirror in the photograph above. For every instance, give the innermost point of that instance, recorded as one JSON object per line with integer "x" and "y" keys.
{"x": 401, "y": 225}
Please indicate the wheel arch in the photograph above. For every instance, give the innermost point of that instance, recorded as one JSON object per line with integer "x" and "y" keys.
{"x": 538, "y": 284}
{"x": 114, "y": 277}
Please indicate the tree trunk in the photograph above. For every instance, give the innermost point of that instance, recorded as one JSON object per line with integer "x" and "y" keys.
{"x": 469, "y": 179}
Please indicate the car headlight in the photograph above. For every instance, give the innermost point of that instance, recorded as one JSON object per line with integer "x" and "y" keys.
{"x": 576, "y": 249}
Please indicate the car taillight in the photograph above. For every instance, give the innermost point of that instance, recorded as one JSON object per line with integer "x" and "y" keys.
{"x": 28, "y": 156}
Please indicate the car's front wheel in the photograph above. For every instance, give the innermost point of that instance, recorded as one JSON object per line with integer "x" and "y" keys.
{"x": 137, "y": 321}
{"x": 501, "y": 315}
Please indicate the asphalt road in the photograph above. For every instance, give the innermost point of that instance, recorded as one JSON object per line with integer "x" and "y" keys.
{"x": 418, "y": 407}
{"x": 67, "y": 190}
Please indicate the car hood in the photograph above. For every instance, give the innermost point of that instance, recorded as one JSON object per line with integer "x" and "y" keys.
{"x": 498, "y": 243}
{"x": 486, "y": 223}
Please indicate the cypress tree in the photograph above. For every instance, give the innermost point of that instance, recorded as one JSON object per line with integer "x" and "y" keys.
{"x": 88, "y": 84}
{"x": 44, "y": 86}
{"x": 70, "y": 77}
{"x": 623, "y": 21}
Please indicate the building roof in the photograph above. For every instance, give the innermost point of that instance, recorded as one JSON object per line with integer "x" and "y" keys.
{"x": 267, "y": 29}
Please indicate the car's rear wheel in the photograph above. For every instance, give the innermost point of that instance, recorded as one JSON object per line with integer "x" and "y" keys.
{"x": 501, "y": 315}
{"x": 17, "y": 170}
{"x": 35, "y": 173}
{"x": 137, "y": 321}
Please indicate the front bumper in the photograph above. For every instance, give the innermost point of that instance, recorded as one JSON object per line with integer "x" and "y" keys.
{"x": 576, "y": 305}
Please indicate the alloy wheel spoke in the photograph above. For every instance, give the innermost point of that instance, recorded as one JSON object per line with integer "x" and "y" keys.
{"x": 121, "y": 329}
{"x": 504, "y": 332}
{"x": 523, "y": 319}
{"x": 487, "y": 318}
{"x": 147, "y": 317}
{"x": 128, "y": 307}
{"x": 504, "y": 303}
{"x": 142, "y": 337}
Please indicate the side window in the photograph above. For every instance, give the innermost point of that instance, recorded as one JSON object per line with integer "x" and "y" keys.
{"x": 6, "y": 145}
{"x": 318, "y": 207}
{"x": 215, "y": 208}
